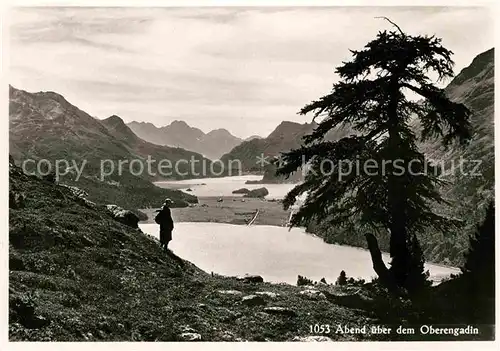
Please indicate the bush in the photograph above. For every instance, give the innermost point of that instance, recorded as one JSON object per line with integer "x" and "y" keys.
{"x": 479, "y": 267}
{"x": 342, "y": 279}
{"x": 417, "y": 278}
{"x": 479, "y": 272}
{"x": 301, "y": 281}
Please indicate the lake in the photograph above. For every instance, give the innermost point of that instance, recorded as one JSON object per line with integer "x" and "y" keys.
{"x": 225, "y": 185}
{"x": 275, "y": 253}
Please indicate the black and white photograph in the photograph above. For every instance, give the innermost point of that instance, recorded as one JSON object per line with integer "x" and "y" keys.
{"x": 242, "y": 173}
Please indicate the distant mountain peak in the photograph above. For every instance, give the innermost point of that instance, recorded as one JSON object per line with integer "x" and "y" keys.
{"x": 220, "y": 131}
{"x": 115, "y": 119}
{"x": 179, "y": 123}
{"x": 253, "y": 137}
{"x": 477, "y": 66}
{"x": 180, "y": 134}
{"x": 141, "y": 123}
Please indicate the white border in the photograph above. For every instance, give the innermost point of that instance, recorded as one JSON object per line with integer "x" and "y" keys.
{"x": 4, "y": 145}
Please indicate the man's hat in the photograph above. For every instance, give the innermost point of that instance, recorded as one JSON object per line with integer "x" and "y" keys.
{"x": 167, "y": 201}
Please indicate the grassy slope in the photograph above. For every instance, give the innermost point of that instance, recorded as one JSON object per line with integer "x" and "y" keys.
{"x": 94, "y": 278}
{"x": 76, "y": 274}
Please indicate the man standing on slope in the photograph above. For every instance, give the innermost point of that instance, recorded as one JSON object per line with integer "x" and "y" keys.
{"x": 164, "y": 219}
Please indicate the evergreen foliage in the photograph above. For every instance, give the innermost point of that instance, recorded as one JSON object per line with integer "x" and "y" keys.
{"x": 479, "y": 267}
{"x": 378, "y": 175}
{"x": 418, "y": 278}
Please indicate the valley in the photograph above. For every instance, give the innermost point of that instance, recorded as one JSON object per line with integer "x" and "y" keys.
{"x": 236, "y": 174}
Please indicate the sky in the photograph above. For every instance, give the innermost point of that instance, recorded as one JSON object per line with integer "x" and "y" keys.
{"x": 243, "y": 69}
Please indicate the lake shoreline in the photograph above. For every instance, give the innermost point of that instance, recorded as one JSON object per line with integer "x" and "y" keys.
{"x": 233, "y": 211}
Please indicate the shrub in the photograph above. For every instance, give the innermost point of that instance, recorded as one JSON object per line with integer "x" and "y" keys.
{"x": 417, "y": 278}
{"x": 301, "y": 281}
{"x": 342, "y": 279}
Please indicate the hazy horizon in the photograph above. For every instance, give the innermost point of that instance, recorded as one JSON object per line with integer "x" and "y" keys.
{"x": 243, "y": 69}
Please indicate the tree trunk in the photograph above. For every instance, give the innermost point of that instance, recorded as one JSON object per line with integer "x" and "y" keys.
{"x": 384, "y": 274}
{"x": 397, "y": 194}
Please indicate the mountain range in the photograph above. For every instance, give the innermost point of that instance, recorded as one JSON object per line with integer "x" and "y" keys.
{"x": 179, "y": 134}
{"x": 45, "y": 125}
{"x": 287, "y": 135}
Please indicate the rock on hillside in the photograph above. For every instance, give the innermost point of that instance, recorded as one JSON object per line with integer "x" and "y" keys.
{"x": 124, "y": 216}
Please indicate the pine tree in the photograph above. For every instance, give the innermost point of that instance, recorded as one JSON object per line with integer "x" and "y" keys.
{"x": 479, "y": 267}
{"x": 370, "y": 99}
{"x": 417, "y": 278}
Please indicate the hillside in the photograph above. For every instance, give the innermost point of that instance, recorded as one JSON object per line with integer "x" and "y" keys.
{"x": 141, "y": 149}
{"x": 76, "y": 274}
{"x": 179, "y": 134}
{"x": 286, "y": 136}
{"x": 467, "y": 193}
{"x": 44, "y": 125}
{"x": 253, "y": 137}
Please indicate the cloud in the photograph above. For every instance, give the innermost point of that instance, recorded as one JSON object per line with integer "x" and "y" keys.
{"x": 244, "y": 69}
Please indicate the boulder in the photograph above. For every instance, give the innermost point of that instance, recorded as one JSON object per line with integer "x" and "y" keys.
{"x": 227, "y": 336}
{"x": 282, "y": 311}
{"x": 268, "y": 294}
{"x": 257, "y": 193}
{"x": 312, "y": 294}
{"x": 81, "y": 195}
{"x": 187, "y": 329}
{"x": 76, "y": 191}
{"x": 354, "y": 300}
{"x": 123, "y": 216}
{"x": 229, "y": 292}
{"x": 312, "y": 338}
{"x": 226, "y": 315}
{"x": 253, "y": 300}
{"x": 190, "y": 337}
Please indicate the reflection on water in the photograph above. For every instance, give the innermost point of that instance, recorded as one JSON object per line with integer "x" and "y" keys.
{"x": 275, "y": 253}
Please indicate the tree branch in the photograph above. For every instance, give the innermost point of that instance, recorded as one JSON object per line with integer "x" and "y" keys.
{"x": 394, "y": 24}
